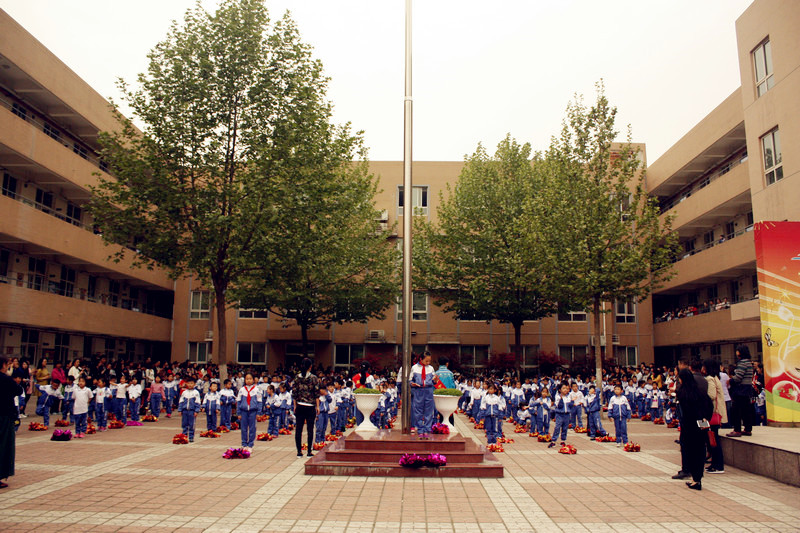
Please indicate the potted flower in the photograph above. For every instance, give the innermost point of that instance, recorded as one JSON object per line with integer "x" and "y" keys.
{"x": 446, "y": 402}
{"x": 366, "y": 402}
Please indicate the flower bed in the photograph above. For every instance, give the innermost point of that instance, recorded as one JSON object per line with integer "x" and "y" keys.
{"x": 236, "y": 453}
{"x": 413, "y": 460}
{"x": 180, "y": 438}
{"x": 61, "y": 435}
{"x": 440, "y": 429}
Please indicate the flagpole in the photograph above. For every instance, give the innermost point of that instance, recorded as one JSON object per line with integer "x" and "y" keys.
{"x": 407, "y": 218}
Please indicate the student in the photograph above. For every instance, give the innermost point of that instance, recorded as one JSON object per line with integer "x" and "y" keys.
{"x": 157, "y": 395}
{"x": 421, "y": 380}
{"x": 282, "y": 406}
{"x": 66, "y": 404}
{"x": 211, "y": 405}
{"x": 170, "y": 394}
{"x": 322, "y": 414}
{"x": 121, "y": 399}
{"x": 19, "y": 401}
{"x": 332, "y": 407}
{"x": 48, "y": 394}
{"x": 517, "y": 397}
{"x": 248, "y": 404}
{"x": 576, "y": 398}
{"x": 270, "y": 409}
{"x": 543, "y": 412}
{"x": 81, "y": 396}
{"x": 101, "y": 394}
{"x": 619, "y": 410}
{"x": 135, "y": 398}
{"x": 227, "y": 399}
{"x": 562, "y": 408}
{"x": 493, "y": 406}
{"x": 475, "y": 400}
{"x": 593, "y": 407}
{"x": 189, "y": 406}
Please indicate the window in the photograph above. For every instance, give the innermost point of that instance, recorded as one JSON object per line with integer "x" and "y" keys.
{"x": 9, "y": 185}
{"x": 113, "y": 293}
{"x": 61, "y": 348}
{"x": 762, "y": 58}
{"x": 29, "y": 346}
{"x": 572, "y": 353}
{"x": 253, "y": 313}
{"x": 626, "y": 355}
{"x": 347, "y": 353}
{"x": 200, "y": 305}
{"x": 688, "y": 246}
{"x": 251, "y": 353}
{"x": 708, "y": 238}
{"x": 572, "y": 316}
{"x": 773, "y": 160}
{"x": 530, "y": 356}
{"x": 716, "y": 350}
{"x": 130, "y": 350}
{"x": 66, "y": 286}
{"x": 91, "y": 290}
{"x": 754, "y": 281}
{"x": 749, "y": 218}
{"x": 712, "y": 293}
{"x": 474, "y": 356}
{"x": 5, "y": 258}
{"x": 20, "y": 111}
{"x": 734, "y": 291}
{"x": 51, "y": 131}
{"x": 44, "y": 200}
{"x": 730, "y": 230}
{"x": 80, "y": 150}
{"x": 419, "y": 200}
{"x": 74, "y": 214}
{"x": 111, "y": 348}
{"x": 198, "y": 352}
{"x": 36, "y": 273}
{"x": 625, "y": 312}
{"x": 419, "y": 303}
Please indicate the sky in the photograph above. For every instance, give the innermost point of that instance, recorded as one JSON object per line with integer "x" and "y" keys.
{"x": 481, "y": 69}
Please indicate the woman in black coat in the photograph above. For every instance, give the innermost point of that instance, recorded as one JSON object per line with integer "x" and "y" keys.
{"x": 695, "y": 405}
{"x": 8, "y": 419}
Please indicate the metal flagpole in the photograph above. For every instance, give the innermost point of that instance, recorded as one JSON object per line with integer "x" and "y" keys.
{"x": 407, "y": 218}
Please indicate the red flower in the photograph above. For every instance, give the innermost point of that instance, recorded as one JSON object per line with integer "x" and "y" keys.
{"x": 568, "y": 449}
{"x": 180, "y": 438}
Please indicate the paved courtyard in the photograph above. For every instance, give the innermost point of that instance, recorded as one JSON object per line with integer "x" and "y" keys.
{"x": 134, "y": 479}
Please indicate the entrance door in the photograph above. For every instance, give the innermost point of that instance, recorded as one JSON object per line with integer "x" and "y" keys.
{"x": 294, "y": 354}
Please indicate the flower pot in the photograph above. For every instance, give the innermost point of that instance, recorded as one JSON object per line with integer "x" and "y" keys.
{"x": 366, "y": 404}
{"x": 446, "y": 405}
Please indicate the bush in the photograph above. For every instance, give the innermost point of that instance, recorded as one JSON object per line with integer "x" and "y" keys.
{"x": 447, "y": 392}
{"x": 365, "y": 390}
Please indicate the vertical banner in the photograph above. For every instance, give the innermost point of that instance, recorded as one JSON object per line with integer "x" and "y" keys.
{"x": 778, "y": 262}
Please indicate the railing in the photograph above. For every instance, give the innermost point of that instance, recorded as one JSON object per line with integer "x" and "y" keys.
{"x": 702, "y": 183}
{"x": 716, "y": 242}
{"x": 703, "y": 311}
{"x": 57, "y": 134}
{"x": 47, "y": 209}
{"x": 41, "y": 282}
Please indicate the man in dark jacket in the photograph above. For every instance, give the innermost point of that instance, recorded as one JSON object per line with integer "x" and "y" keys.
{"x": 741, "y": 389}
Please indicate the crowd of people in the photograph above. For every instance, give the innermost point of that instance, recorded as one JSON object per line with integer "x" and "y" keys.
{"x": 323, "y": 400}
{"x": 693, "y": 309}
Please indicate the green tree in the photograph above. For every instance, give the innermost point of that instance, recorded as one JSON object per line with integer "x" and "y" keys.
{"x": 335, "y": 263}
{"x": 481, "y": 259}
{"x": 226, "y": 102}
{"x": 609, "y": 242}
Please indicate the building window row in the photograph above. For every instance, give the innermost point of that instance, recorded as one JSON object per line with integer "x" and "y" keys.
{"x": 773, "y": 159}
{"x": 734, "y": 161}
{"x": 419, "y": 200}
{"x": 762, "y": 59}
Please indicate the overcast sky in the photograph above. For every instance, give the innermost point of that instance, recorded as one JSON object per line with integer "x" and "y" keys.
{"x": 481, "y": 68}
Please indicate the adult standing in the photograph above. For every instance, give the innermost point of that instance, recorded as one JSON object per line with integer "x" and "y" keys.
{"x": 724, "y": 378}
{"x": 695, "y": 406}
{"x": 711, "y": 369}
{"x": 305, "y": 393}
{"x": 75, "y": 370}
{"x": 741, "y": 387}
{"x": 8, "y": 419}
{"x": 42, "y": 375}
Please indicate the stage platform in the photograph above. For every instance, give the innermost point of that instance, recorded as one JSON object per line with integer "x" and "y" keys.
{"x": 377, "y": 453}
{"x": 773, "y": 452}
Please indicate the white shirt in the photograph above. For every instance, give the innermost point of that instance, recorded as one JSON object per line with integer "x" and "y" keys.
{"x": 121, "y": 388}
{"x": 81, "y": 397}
{"x": 134, "y": 391}
{"x": 724, "y": 379}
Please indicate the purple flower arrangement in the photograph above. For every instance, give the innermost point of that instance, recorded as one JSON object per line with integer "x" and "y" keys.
{"x": 134, "y": 423}
{"x": 236, "y": 453}
{"x": 61, "y": 434}
{"x": 440, "y": 429}
{"x": 413, "y": 460}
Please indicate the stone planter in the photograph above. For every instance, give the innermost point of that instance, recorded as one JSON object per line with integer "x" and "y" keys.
{"x": 366, "y": 404}
{"x": 446, "y": 405}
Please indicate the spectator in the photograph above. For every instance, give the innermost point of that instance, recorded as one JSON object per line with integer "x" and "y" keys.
{"x": 741, "y": 388}
{"x": 8, "y": 420}
{"x": 695, "y": 406}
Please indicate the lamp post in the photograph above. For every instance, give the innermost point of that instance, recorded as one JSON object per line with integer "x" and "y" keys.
{"x": 408, "y": 214}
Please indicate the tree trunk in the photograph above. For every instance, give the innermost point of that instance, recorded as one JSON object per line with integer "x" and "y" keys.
{"x": 517, "y": 348}
{"x": 221, "y": 340}
{"x": 598, "y": 350}
{"x": 304, "y": 338}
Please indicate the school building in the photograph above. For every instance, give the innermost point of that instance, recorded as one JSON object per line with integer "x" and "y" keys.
{"x": 61, "y": 297}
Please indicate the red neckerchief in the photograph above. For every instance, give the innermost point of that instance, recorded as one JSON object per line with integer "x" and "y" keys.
{"x": 248, "y": 391}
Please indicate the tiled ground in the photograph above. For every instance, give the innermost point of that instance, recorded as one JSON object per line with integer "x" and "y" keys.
{"x": 134, "y": 479}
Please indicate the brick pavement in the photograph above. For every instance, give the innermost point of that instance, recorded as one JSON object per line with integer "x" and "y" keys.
{"x": 134, "y": 479}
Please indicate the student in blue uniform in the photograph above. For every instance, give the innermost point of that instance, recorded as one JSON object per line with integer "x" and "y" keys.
{"x": 562, "y": 408}
{"x": 102, "y": 398}
{"x": 211, "y": 405}
{"x": 248, "y": 404}
{"x": 271, "y": 410}
{"x": 422, "y": 409}
{"x": 49, "y": 393}
{"x": 543, "y": 410}
{"x": 227, "y": 399}
{"x": 493, "y": 406}
{"x": 619, "y": 410}
{"x": 170, "y": 394}
{"x": 189, "y": 406}
{"x": 593, "y": 408}
{"x": 323, "y": 405}
{"x": 66, "y": 405}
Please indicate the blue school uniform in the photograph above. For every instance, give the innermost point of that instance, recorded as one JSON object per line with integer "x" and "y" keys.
{"x": 517, "y": 396}
{"x": 620, "y": 411}
{"x": 562, "y": 407}
{"x": 422, "y": 408}
{"x": 492, "y": 409}
{"x": 248, "y": 404}
{"x": 321, "y": 423}
{"x": 189, "y": 406}
{"x": 543, "y": 409}
{"x": 211, "y": 405}
{"x": 101, "y": 394}
{"x": 227, "y": 400}
{"x": 66, "y": 404}
{"x": 48, "y": 395}
{"x": 155, "y": 402}
{"x": 593, "y": 421}
{"x": 170, "y": 395}
{"x": 271, "y": 410}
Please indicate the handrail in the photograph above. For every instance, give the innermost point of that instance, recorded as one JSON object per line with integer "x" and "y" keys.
{"x": 702, "y": 183}
{"x": 717, "y": 242}
{"x": 726, "y": 305}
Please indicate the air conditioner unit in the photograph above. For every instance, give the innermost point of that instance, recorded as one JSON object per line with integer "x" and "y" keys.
{"x": 376, "y": 335}
{"x": 210, "y": 335}
{"x": 384, "y": 216}
{"x": 615, "y": 339}
{"x": 602, "y": 340}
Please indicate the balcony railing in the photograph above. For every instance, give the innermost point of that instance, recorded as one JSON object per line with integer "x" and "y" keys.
{"x": 702, "y": 183}
{"x": 41, "y": 282}
{"x": 47, "y": 209}
{"x": 690, "y": 311}
{"x": 716, "y": 242}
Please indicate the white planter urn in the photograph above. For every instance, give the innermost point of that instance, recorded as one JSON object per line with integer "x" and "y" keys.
{"x": 366, "y": 404}
{"x": 446, "y": 405}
